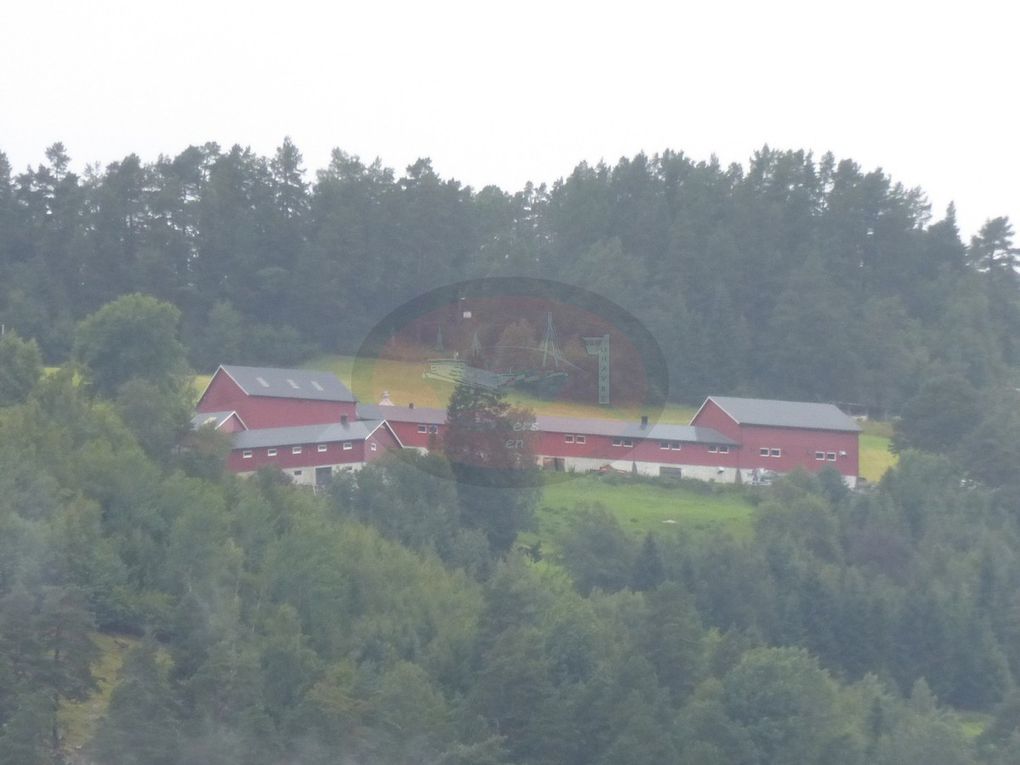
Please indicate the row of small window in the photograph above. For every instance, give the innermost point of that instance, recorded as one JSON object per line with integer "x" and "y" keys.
{"x": 766, "y": 452}
{"x": 428, "y": 428}
{"x": 825, "y": 456}
{"x": 576, "y": 438}
{"x": 271, "y": 452}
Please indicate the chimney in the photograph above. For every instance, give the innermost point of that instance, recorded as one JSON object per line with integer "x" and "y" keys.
{"x": 411, "y": 405}
{"x": 644, "y": 421}
{"x": 343, "y": 419}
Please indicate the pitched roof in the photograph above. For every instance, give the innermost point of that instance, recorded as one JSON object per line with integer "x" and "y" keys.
{"x": 402, "y": 413}
{"x": 784, "y": 414}
{"x": 289, "y": 383}
{"x": 357, "y": 430}
{"x": 627, "y": 429}
{"x": 216, "y": 419}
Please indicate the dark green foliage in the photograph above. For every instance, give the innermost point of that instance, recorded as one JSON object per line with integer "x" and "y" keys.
{"x": 20, "y": 368}
{"x": 132, "y": 337}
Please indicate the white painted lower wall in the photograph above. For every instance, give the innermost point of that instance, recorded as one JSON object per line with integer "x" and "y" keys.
{"x": 306, "y": 476}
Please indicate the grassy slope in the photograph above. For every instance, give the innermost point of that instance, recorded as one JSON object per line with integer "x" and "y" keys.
{"x": 78, "y": 719}
{"x": 642, "y": 506}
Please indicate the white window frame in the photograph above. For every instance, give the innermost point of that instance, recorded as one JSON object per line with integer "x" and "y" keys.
{"x": 348, "y": 445}
{"x": 321, "y": 448}
{"x": 271, "y": 452}
{"x": 675, "y": 446}
{"x": 663, "y": 444}
{"x": 617, "y": 442}
{"x": 724, "y": 450}
{"x": 830, "y": 456}
{"x": 434, "y": 429}
{"x": 295, "y": 450}
{"x": 372, "y": 445}
{"x": 568, "y": 438}
{"x": 578, "y": 439}
{"x": 776, "y": 453}
{"x": 628, "y": 443}
{"x": 820, "y": 456}
{"x": 423, "y": 428}
{"x": 246, "y": 454}
{"x": 763, "y": 451}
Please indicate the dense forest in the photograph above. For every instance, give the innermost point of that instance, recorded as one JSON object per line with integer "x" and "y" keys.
{"x": 394, "y": 619}
{"x": 793, "y": 277}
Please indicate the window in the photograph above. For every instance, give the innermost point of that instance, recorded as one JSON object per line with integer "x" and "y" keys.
{"x": 763, "y": 452}
{"x": 246, "y": 454}
{"x": 831, "y": 456}
{"x": 819, "y": 455}
{"x": 423, "y": 429}
{"x": 270, "y": 452}
{"x": 777, "y": 452}
{"x": 568, "y": 438}
{"x": 321, "y": 447}
{"x": 348, "y": 446}
{"x": 617, "y": 442}
{"x": 663, "y": 444}
{"x": 298, "y": 472}
{"x": 373, "y": 446}
{"x": 579, "y": 439}
{"x": 724, "y": 450}
{"x": 674, "y": 445}
{"x": 433, "y": 428}
{"x": 628, "y": 443}
{"x": 295, "y": 450}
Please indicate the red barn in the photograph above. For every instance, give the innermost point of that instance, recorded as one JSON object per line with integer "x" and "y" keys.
{"x": 311, "y": 454}
{"x": 422, "y": 428}
{"x": 780, "y": 436}
{"x": 581, "y": 444}
{"x": 264, "y": 397}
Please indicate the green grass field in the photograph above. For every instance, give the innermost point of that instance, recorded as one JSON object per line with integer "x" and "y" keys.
{"x": 78, "y": 719}
{"x": 641, "y": 506}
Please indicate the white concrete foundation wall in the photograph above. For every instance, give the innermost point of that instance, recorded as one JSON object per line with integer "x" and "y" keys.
{"x": 710, "y": 473}
{"x": 306, "y": 476}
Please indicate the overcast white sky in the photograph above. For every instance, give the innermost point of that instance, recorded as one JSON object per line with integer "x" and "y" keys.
{"x": 508, "y": 92}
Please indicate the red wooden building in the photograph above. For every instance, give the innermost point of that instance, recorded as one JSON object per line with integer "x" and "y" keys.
{"x": 264, "y": 397}
{"x": 779, "y": 436}
{"x": 309, "y": 424}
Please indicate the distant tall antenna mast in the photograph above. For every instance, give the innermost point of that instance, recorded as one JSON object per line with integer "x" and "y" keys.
{"x": 599, "y": 346}
{"x": 548, "y": 345}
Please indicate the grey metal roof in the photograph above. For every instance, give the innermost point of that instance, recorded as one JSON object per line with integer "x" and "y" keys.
{"x": 629, "y": 429}
{"x": 200, "y": 419}
{"x": 356, "y": 430}
{"x": 402, "y": 413}
{"x": 785, "y": 414}
{"x": 289, "y": 383}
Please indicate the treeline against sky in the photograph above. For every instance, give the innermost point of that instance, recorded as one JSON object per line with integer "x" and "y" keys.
{"x": 791, "y": 277}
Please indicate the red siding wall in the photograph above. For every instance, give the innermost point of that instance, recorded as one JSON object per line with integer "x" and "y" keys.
{"x": 712, "y": 416}
{"x": 409, "y": 436}
{"x": 643, "y": 450}
{"x": 798, "y": 447}
{"x": 285, "y": 458}
{"x": 384, "y": 441}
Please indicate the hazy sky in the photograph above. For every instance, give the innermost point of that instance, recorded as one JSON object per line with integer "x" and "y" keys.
{"x": 508, "y": 92}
